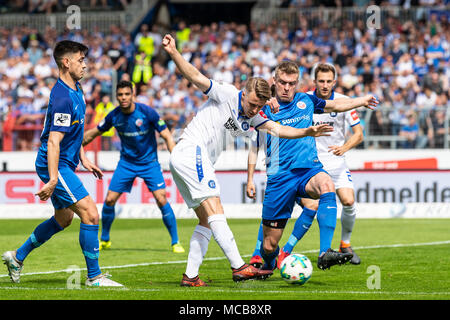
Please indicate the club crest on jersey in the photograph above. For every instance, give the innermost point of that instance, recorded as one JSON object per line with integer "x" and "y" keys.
{"x": 301, "y": 105}
{"x": 245, "y": 126}
{"x": 212, "y": 184}
{"x": 139, "y": 122}
{"x": 333, "y": 114}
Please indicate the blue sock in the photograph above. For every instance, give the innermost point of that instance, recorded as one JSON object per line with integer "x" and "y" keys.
{"x": 301, "y": 226}
{"x": 269, "y": 259}
{"x": 257, "y": 251}
{"x": 326, "y": 217}
{"x": 41, "y": 234}
{"x": 108, "y": 215}
{"x": 170, "y": 222}
{"x": 90, "y": 247}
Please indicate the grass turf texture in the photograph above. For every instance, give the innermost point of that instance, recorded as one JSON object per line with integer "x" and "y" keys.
{"x": 141, "y": 259}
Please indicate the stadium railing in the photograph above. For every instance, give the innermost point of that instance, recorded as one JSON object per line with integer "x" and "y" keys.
{"x": 264, "y": 13}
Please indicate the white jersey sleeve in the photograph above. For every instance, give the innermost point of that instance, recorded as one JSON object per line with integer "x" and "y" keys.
{"x": 221, "y": 92}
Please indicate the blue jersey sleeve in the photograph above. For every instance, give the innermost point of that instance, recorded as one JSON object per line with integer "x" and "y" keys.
{"x": 319, "y": 104}
{"x": 61, "y": 114}
{"x": 155, "y": 120}
{"x": 106, "y": 123}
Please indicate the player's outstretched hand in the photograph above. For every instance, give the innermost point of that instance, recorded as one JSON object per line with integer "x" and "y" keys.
{"x": 251, "y": 190}
{"x": 92, "y": 168}
{"x": 319, "y": 130}
{"x": 168, "y": 44}
{"x": 46, "y": 191}
{"x": 273, "y": 104}
{"x": 370, "y": 102}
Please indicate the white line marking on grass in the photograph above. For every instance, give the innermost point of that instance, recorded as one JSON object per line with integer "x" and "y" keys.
{"x": 234, "y": 290}
{"x": 223, "y": 258}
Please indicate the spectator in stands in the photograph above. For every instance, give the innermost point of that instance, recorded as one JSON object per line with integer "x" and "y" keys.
{"x": 410, "y": 131}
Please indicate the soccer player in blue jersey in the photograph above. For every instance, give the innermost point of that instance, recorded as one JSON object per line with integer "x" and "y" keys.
{"x": 294, "y": 170}
{"x": 56, "y": 162}
{"x": 136, "y": 125}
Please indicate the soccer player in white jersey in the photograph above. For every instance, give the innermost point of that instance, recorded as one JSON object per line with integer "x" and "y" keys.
{"x": 192, "y": 160}
{"x": 331, "y": 151}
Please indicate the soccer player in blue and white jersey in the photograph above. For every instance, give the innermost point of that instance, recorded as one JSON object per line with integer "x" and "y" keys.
{"x": 56, "y": 162}
{"x": 192, "y": 160}
{"x": 331, "y": 152}
{"x": 136, "y": 125}
{"x": 294, "y": 169}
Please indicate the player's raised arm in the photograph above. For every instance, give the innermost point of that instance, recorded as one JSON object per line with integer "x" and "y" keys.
{"x": 287, "y": 132}
{"x": 187, "y": 70}
{"x": 346, "y": 104}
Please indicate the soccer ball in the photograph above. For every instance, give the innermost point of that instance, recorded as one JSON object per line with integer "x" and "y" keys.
{"x": 296, "y": 269}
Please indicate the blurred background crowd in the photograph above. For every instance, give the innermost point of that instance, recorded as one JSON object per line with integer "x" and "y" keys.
{"x": 404, "y": 63}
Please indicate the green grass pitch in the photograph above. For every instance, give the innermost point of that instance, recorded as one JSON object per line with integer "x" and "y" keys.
{"x": 410, "y": 254}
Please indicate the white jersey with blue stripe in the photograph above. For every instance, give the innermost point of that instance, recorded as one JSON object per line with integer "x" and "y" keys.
{"x": 222, "y": 112}
{"x": 341, "y": 122}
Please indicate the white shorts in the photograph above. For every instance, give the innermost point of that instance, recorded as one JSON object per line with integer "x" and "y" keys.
{"x": 193, "y": 173}
{"x": 341, "y": 177}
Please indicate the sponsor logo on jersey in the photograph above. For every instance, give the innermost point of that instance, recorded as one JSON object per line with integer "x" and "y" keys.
{"x": 133, "y": 134}
{"x": 330, "y": 123}
{"x": 230, "y": 125}
{"x": 294, "y": 120}
{"x": 301, "y": 105}
{"x": 61, "y": 119}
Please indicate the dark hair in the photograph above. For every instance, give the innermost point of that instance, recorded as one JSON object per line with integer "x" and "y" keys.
{"x": 125, "y": 84}
{"x": 324, "y": 67}
{"x": 66, "y": 46}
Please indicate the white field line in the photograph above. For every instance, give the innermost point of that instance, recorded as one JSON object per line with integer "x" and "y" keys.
{"x": 223, "y": 258}
{"x": 309, "y": 292}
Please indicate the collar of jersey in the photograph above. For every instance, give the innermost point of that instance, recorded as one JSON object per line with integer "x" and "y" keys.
{"x": 65, "y": 85}
{"x": 240, "y": 109}
{"x": 330, "y": 98}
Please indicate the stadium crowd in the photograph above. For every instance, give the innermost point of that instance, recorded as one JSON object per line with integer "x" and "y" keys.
{"x": 405, "y": 64}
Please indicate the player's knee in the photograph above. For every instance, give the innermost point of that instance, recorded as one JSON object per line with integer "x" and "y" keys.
{"x": 91, "y": 217}
{"x": 110, "y": 201}
{"x": 348, "y": 202}
{"x": 161, "y": 200}
{"x": 327, "y": 186}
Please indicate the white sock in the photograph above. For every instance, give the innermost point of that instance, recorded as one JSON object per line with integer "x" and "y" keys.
{"x": 348, "y": 217}
{"x": 197, "y": 250}
{"x": 225, "y": 239}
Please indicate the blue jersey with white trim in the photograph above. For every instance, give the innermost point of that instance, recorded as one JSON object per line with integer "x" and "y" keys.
{"x": 65, "y": 113}
{"x": 288, "y": 154}
{"x": 136, "y": 132}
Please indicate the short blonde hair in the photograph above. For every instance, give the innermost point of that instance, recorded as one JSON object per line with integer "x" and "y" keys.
{"x": 288, "y": 67}
{"x": 259, "y": 86}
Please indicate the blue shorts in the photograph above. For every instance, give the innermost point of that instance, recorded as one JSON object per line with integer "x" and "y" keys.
{"x": 126, "y": 172}
{"x": 282, "y": 189}
{"x": 69, "y": 189}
